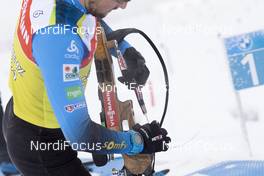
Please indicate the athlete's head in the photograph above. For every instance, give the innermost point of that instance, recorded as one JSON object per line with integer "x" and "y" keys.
{"x": 101, "y": 8}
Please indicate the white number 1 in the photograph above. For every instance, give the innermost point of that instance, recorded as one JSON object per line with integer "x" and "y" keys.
{"x": 249, "y": 58}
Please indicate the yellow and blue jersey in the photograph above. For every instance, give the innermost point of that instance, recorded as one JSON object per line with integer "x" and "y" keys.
{"x": 54, "y": 45}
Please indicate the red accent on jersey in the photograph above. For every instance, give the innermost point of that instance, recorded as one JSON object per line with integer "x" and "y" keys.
{"x": 88, "y": 59}
{"x": 24, "y": 31}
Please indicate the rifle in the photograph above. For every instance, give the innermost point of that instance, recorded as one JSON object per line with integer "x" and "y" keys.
{"x": 116, "y": 115}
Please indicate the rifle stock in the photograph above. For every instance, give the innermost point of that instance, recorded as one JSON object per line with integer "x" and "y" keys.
{"x": 114, "y": 112}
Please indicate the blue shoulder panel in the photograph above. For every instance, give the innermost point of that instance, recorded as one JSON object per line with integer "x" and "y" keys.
{"x": 122, "y": 45}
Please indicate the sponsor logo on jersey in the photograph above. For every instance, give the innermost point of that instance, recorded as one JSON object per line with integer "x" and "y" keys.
{"x": 73, "y": 51}
{"x": 71, "y": 72}
{"x": 73, "y": 107}
{"x": 73, "y": 48}
{"x": 16, "y": 67}
{"x": 37, "y": 13}
{"x": 111, "y": 145}
{"x": 74, "y": 92}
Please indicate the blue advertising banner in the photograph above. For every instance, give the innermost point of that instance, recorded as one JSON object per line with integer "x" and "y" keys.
{"x": 246, "y": 59}
{"x": 233, "y": 168}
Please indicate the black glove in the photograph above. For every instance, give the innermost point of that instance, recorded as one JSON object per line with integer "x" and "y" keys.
{"x": 137, "y": 71}
{"x": 155, "y": 138}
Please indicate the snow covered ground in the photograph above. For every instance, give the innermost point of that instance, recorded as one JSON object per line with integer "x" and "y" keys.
{"x": 202, "y": 118}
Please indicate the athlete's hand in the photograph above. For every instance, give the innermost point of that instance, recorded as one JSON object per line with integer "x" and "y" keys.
{"x": 155, "y": 138}
{"x": 137, "y": 71}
